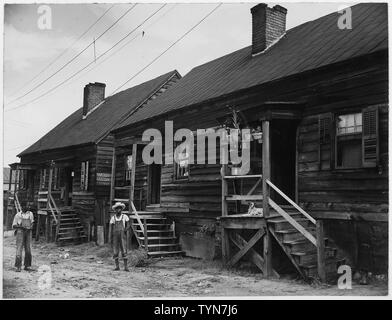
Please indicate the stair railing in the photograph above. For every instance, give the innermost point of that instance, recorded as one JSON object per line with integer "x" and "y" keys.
{"x": 289, "y": 219}
{"x": 317, "y": 241}
{"x": 17, "y": 203}
{"x": 134, "y": 212}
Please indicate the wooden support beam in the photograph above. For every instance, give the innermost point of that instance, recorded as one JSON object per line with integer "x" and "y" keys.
{"x": 266, "y": 172}
{"x": 266, "y": 158}
{"x": 320, "y": 250}
{"x": 245, "y": 247}
{"x": 133, "y": 173}
{"x": 113, "y": 177}
{"x": 252, "y": 254}
{"x": 225, "y": 245}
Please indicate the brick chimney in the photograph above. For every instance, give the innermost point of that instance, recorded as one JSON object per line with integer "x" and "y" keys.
{"x": 268, "y": 25}
{"x": 94, "y": 94}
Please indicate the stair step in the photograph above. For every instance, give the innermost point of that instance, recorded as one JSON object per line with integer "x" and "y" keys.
{"x": 303, "y": 258}
{"x": 154, "y": 231}
{"x": 149, "y": 217}
{"x": 282, "y": 224}
{"x": 300, "y": 245}
{"x": 164, "y": 253}
{"x": 72, "y": 238}
{"x": 158, "y": 245}
{"x": 293, "y": 234}
{"x": 158, "y": 238}
{"x": 70, "y": 228}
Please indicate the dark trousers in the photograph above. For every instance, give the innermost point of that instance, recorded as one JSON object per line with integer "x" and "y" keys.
{"x": 119, "y": 245}
{"x": 23, "y": 240}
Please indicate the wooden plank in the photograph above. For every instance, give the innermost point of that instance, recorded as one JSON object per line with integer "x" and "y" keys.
{"x": 293, "y": 222}
{"x": 291, "y": 202}
{"x": 245, "y": 248}
{"x": 266, "y": 165}
{"x": 225, "y": 245}
{"x": 224, "y": 191}
{"x": 250, "y": 197}
{"x": 242, "y": 223}
{"x": 320, "y": 237}
{"x": 113, "y": 177}
{"x": 243, "y": 177}
{"x": 133, "y": 172}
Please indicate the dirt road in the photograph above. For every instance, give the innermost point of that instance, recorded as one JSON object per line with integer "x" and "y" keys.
{"x": 86, "y": 271}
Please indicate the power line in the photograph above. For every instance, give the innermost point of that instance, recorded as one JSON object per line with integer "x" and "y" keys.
{"x": 128, "y": 42}
{"x": 65, "y": 51}
{"x": 76, "y": 56}
{"x": 167, "y": 49}
{"x": 86, "y": 66}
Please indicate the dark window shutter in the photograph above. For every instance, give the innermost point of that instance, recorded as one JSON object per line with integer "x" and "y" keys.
{"x": 370, "y": 140}
{"x": 325, "y": 138}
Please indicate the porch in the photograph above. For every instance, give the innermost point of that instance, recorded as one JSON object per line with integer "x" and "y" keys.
{"x": 250, "y": 235}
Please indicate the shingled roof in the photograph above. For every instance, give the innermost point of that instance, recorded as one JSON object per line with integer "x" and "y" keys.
{"x": 306, "y": 47}
{"x": 77, "y": 131}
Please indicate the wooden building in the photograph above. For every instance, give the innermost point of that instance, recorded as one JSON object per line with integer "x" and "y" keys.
{"x": 66, "y": 174}
{"x": 319, "y": 95}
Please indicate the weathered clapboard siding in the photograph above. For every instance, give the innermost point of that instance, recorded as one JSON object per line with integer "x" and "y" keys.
{"x": 104, "y": 156}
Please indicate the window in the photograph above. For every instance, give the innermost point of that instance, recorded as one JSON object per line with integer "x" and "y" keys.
{"x": 84, "y": 176}
{"x": 349, "y": 140}
{"x": 128, "y": 169}
{"x": 181, "y": 167}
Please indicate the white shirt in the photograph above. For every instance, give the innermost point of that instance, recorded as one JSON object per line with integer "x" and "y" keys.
{"x": 124, "y": 218}
{"x": 23, "y": 215}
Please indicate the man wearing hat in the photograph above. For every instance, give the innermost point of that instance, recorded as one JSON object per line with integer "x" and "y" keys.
{"x": 119, "y": 227}
{"x": 23, "y": 224}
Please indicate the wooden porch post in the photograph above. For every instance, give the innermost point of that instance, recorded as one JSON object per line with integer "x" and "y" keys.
{"x": 225, "y": 232}
{"x": 133, "y": 174}
{"x": 320, "y": 250}
{"x": 266, "y": 172}
{"x": 113, "y": 176}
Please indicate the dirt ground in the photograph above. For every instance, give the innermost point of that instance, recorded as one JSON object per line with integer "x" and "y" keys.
{"x": 86, "y": 271}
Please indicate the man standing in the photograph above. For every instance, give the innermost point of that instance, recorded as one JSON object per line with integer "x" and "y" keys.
{"x": 119, "y": 227}
{"x": 23, "y": 224}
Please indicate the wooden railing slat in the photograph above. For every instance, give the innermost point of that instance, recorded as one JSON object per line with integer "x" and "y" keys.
{"x": 296, "y": 206}
{"x": 293, "y": 222}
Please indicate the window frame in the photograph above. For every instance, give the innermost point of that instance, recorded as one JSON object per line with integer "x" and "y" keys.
{"x": 354, "y": 137}
{"x": 127, "y": 171}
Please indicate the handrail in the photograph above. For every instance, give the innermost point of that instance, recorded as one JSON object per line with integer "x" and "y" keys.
{"x": 291, "y": 202}
{"x": 52, "y": 202}
{"x": 293, "y": 222}
{"x": 17, "y": 203}
{"x": 134, "y": 211}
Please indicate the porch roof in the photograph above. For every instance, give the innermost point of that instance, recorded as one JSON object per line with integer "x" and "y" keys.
{"x": 307, "y": 47}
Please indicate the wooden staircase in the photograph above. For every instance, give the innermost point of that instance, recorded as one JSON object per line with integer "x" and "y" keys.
{"x": 66, "y": 222}
{"x": 297, "y": 233}
{"x": 300, "y": 251}
{"x": 69, "y": 227}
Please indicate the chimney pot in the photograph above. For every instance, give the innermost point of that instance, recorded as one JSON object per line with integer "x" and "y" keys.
{"x": 268, "y": 25}
{"x": 94, "y": 94}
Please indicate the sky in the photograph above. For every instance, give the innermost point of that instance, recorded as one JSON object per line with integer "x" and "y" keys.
{"x": 32, "y": 107}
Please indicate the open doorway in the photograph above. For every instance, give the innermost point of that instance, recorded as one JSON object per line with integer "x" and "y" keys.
{"x": 69, "y": 174}
{"x": 154, "y": 183}
{"x": 283, "y": 158}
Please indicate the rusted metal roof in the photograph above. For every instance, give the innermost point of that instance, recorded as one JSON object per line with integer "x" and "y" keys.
{"x": 304, "y": 48}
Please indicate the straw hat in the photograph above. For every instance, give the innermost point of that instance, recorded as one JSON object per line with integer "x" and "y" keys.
{"x": 118, "y": 204}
